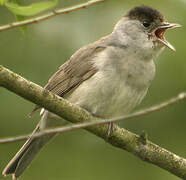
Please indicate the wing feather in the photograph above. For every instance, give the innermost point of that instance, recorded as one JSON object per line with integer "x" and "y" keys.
{"x": 77, "y": 69}
{"x": 71, "y": 74}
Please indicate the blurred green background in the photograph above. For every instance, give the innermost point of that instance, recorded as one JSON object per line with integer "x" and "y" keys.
{"x": 79, "y": 155}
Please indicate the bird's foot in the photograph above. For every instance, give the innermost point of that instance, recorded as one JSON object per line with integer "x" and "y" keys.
{"x": 110, "y": 129}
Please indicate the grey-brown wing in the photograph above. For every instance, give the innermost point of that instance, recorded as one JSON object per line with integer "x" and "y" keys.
{"x": 77, "y": 69}
{"x": 71, "y": 74}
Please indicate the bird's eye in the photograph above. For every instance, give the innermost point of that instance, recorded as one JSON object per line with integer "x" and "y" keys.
{"x": 146, "y": 24}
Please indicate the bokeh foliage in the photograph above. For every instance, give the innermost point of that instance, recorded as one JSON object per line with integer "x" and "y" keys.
{"x": 79, "y": 154}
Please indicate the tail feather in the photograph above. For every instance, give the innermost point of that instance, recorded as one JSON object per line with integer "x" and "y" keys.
{"x": 32, "y": 146}
{"x": 25, "y": 156}
{"x": 28, "y": 151}
{"x": 11, "y": 167}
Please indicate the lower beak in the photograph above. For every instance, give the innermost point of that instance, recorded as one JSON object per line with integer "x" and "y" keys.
{"x": 159, "y": 32}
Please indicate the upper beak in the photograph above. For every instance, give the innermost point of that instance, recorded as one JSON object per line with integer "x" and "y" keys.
{"x": 159, "y": 32}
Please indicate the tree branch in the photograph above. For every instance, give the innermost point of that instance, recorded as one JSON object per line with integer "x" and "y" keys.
{"x": 71, "y": 127}
{"x": 121, "y": 138}
{"x": 48, "y": 15}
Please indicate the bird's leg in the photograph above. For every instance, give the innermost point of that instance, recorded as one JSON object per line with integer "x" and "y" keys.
{"x": 110, "y": 128}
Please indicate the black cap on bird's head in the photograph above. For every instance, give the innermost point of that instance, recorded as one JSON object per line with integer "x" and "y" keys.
{"x": 153, "y": 21}
{"x": 146, "y": 13}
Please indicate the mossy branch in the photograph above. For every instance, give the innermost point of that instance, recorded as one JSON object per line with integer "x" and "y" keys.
{"x": 121, "y": 138}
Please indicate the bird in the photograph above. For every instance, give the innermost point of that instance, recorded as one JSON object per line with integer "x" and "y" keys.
{"x": 108, "y": 77}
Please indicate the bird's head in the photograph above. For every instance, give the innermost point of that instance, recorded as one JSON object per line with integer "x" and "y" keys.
{"x": 144, "y": 27}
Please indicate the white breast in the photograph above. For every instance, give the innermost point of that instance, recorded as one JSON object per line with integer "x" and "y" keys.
{"x": 118, "y": 86}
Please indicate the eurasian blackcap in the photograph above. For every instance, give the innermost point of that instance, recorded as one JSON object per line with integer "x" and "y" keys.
{"x": 108, "y": 77}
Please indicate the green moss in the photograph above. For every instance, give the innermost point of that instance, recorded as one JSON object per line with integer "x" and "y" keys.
{"x": 13, "y": 74}
{"x": 1, "y": 67}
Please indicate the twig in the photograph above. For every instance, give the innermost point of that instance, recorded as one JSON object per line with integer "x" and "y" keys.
{"x": 71, "y": 127}
{"x": 48, "y": 15}
{"x": 120, "y": 137}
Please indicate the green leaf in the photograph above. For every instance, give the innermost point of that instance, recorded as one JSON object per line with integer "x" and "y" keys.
{"x": 22, "y": 28}
{"x": 2, "y": 2}
{"x": 29, "y": 10}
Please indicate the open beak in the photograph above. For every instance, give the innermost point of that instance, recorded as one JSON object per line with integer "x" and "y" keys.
{"x": 160, "y": 31}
